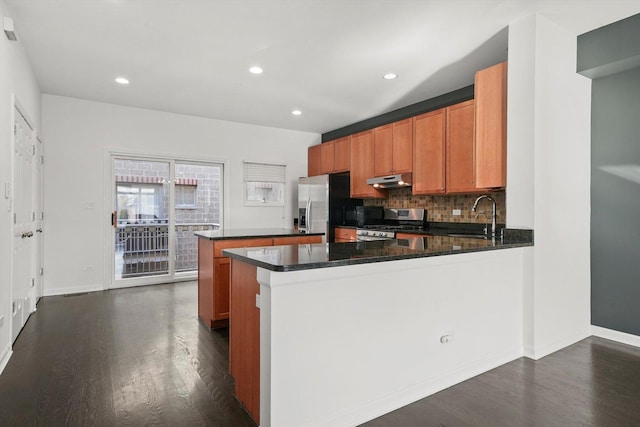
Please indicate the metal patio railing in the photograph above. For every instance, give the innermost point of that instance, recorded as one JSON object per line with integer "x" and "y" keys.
{"x": 144, "y": 246}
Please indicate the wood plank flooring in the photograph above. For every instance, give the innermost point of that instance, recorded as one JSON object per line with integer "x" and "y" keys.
{"x": 140, "y": 357}
{"x": 135, "y": 356}
{"x": 595, "y": 382}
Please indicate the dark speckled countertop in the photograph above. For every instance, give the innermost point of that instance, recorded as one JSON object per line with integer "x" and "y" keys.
{"x": 305, "y": 257}
{"x": 250, "y": 233}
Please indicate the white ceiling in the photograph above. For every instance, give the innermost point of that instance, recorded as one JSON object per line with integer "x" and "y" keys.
{"x": 324, "y": 57}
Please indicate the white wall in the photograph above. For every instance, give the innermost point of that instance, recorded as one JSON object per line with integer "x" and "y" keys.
{"x": 79, "y": 134}
{"x": 549, "y": 181}
{"x": 16, "y": 78}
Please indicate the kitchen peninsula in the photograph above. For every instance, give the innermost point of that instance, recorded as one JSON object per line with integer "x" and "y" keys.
{"x": 214, "y": 268}
{"x": 345, "y": 332}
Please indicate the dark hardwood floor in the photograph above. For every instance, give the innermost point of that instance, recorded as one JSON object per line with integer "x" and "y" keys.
{"x": 135, "y": 356}
{"x": 595, "y": 382}
{"x": 140, "y": 357}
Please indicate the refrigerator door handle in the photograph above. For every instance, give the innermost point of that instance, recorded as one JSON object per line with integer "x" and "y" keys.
{"x": 309, "y": 224}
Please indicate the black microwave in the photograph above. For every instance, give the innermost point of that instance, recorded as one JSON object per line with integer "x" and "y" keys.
{"x": 369, "y": 215}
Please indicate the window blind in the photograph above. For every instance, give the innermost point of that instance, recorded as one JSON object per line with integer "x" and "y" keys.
{"x": 263, "y": 172}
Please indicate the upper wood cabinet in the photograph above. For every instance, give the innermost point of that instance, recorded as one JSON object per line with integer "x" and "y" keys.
{"x": 459, "y": 148}
{"x": 393, "y": 148}
{"x": 342, "y": 154}
{"x": 362, "y": 166}
{"x": 329, "y": 157}
{"x": 491, "y": 127}
{"x": 429, "y": 133}
{"x": 313, "y": 160}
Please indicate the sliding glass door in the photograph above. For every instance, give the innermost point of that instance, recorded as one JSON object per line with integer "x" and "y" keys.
{"x": 157, "y": 206}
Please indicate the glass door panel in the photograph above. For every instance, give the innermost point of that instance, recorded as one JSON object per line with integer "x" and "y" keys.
{"x": 198, "y": 206}
{"x": 141, "y": 218}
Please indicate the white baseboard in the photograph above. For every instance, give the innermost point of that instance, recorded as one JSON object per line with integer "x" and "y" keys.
{"x": 419, "y": 391}
{"x": 5, "y": 356}
{"x": 48, "y": 292}
{"x": 610, "y": 334}
{"x": 538, "y": 352}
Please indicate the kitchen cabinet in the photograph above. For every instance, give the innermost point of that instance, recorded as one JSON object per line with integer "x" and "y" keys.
{"x": 408, "y": 235}
{"x": 314, "y": 160}
{"x": 244, "y": 337}
{"x": 460, "y": 160}
{"x": 393, "y": 148}
{"x": 362, "y": 166}
{"x": 429, "y": 133}
{"x": 329, "y": 157}
{"x": 345, "y": 234}
{"x": 342, "y": 154}
{"x": 296, "y": 240}
{"x": 214, "y": 273}
{"x": 491, "y": 127}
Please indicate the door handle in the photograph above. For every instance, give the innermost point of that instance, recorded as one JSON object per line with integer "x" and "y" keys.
{"x": 114, "y": 219}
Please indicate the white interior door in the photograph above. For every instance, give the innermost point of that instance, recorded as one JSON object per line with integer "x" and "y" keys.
{"x": 38, "y": 203}
{"x": 23, "y": 282}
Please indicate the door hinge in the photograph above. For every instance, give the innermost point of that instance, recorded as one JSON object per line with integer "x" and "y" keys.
{"x": 42, "y": 160}
{"x": 41, "y": 271}
{"x": 33, "y": 151}
{"x": 33, "y": 216}
{"x": 13, "y": 307}
{"x": 15, "y": 129}
{"x": 15, "y": 218}
{"x": 41, "y": 215}
{"x": 33, "y": 282}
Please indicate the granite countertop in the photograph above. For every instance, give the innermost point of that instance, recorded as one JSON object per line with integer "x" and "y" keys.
{"x": 322, "y": 255}
{"x": 249, "y": 233}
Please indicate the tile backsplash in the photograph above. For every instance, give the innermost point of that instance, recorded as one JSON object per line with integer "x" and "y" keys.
{"x": 440, "y": 208}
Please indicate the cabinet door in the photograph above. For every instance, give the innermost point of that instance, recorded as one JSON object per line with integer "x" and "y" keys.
{"x": 383, "y": 150}
{"x": 327, "y": 157}
{"x": 403, "y": 146}
{"x": 221, "y": 284}
{"x": 314, "y": 160}
{"x": 342, "y": 151}
{"x": 362, "y": 158}
{"x": 429, "y": 153}
{"x": 296, "y": 240}
{"x": 345, "y": 234}
{"x": 491, "y": 127}
{"x": 460, "y": 158}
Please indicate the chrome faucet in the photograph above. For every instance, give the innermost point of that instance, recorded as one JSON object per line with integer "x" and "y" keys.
{"x": 493, "y": 215}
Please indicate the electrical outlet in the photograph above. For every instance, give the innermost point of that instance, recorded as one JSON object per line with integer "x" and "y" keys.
{"x": 258, "y": 300}
{"x": 457, "y": 212}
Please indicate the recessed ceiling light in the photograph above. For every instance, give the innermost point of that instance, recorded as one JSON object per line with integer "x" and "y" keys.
{"x": 122, "y": 81}
{"x": 255, "y": 70}
{"x": 296, "y": 112}
{"x": 390, "y": 76}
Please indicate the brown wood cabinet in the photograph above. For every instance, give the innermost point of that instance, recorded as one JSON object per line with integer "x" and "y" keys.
{"x": 329, "y": 157}
{"x": 393, "y": 148}
{"x": 429, "y": 133}
{"x": 345, "y": 234}
{"x": 342, "y": 155}
{"x": 296, "y": 240}
{"x": 408, "y": 235}
{"x": 244, "y": 337}
{"x": 460, "y": 164}
{"x": 491, "y": 127}
{"x": 362, "y": 166}
{"x": 314, "y": 162}
{"x": 214, "y": 273}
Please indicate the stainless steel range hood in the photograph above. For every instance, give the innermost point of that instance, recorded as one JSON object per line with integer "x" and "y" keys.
{"x": 391, "y": 181}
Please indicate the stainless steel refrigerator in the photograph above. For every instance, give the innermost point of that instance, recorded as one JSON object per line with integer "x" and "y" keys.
{"x": 321, "y": 203}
